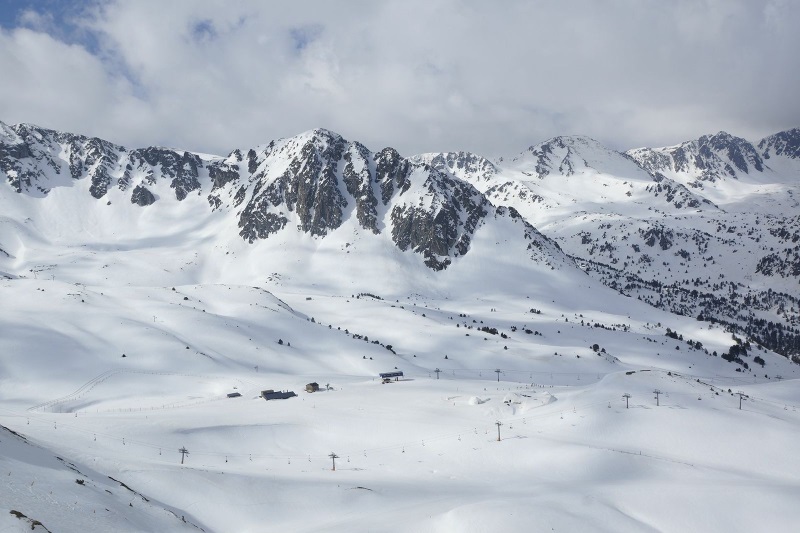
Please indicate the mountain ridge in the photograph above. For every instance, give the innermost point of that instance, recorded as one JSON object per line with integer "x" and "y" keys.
{"x": 313, "y": 182}
{"x": 635, "y": 220}
{"x": 691, "y": 241}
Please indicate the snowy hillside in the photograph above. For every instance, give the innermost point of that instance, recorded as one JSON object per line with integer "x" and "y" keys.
{"x": 543, "y": 310}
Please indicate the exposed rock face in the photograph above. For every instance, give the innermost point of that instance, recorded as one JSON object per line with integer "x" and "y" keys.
{"x": 358, "y": 180}
{"x": 33, "y": 157}
{"x": 96, "y": 158}
{"x": 391, "y": 172}
{"x": 440, "y": 224}
{"x": 13, "y": 153}
{"x": 142, "y": 197}
{"x": 308, "y": 186}
{"x": 181, "y": 168}
{"x": 741, "y": 154}
{"x": 463, "y": 165}
{"x": 785, "y": 143}
{"x": 26, "y": 156}
{"x": 324, "y": 177}
{"x": 222, "y": 173}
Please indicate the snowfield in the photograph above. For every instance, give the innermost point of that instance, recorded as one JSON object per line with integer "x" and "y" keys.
{"x": 419, "y": 454}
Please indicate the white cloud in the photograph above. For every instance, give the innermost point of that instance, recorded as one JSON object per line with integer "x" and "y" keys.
{"x": 420, "y": 76}
{"x": 58, "y": 85}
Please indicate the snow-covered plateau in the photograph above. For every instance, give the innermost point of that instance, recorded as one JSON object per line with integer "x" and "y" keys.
{"x": 589, "y": 340}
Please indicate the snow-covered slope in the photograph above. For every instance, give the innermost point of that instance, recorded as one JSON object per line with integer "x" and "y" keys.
{"x": 44, "y": 492}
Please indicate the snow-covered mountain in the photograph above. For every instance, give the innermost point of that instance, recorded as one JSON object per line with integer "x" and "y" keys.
{"x": 784, "y": 144}
{"x": 707, "y": 159}
{"x": 688, "y": 228}
{"x": 542, "y": 291}
{"x": 695, "y": 229}
{"x": 315, "y": 183}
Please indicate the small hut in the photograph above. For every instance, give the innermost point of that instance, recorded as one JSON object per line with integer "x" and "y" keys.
{"x": 312, "y": 387}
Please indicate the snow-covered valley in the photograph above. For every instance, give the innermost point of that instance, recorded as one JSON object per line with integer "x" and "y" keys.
{"x": 125, "y": 326}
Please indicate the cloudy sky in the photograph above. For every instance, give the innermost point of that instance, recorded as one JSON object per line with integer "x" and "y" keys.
{"x": 430, "y": 75}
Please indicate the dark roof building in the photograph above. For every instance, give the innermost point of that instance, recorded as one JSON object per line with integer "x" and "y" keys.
{"x": 280, "y": 395}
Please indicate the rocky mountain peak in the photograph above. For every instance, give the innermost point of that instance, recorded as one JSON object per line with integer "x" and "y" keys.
{"x": 728, "y": 150}
{"x": 567, "y": 156}
{"x": 707, "y": 159}
{"x": 319, "y": 180}
{"x": 785, "y": 143}
{"x": 567, "y": 141}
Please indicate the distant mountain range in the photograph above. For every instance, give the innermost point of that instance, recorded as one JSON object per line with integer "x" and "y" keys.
{"x": 708, "y": 228}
